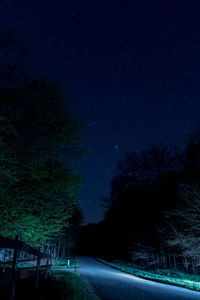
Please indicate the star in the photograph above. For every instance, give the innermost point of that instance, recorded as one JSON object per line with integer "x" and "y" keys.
{"x": 91, "y": 124}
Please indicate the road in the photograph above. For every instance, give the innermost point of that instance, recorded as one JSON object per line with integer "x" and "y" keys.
{"x": 111, "y": 284}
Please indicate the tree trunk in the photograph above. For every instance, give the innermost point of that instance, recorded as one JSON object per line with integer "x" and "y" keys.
{"x": 59, "y": 243}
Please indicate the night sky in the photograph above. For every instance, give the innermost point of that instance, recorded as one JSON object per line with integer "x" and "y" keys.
{"x": 131, "y": 69}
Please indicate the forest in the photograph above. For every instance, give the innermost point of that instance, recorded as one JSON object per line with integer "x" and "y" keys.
{"x": 152, "y": 213}
{"x": 99, "y": 150}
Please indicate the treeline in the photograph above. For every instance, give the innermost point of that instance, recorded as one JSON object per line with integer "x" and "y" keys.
{"x": 39, "y": 141}
{"x": 153, "y": 211}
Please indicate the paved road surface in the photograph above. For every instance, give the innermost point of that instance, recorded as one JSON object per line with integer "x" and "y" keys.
{"x": 111, "y": 284}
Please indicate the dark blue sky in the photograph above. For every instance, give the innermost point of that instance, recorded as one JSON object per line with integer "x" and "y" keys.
{"x": 131, "y": 68}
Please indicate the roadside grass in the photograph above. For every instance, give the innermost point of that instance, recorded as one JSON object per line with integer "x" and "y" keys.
{"x": 172, "y": 277}
{"x": 60, "y": 285}
{"x": 60, "y": 263}
{"x": 66, "y": 262}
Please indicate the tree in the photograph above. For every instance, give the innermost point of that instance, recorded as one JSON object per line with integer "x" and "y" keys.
{"x": 184, "y": 224}
{"x": 144, "y": 184}
{"x": 181, "y": 227}
{"x": 190, "y": 156}
{"x": 67, "y": 241}
{"x": 160, "y": 161}
{"x": 142, "y": 170}
{"x": 39, "y": 140}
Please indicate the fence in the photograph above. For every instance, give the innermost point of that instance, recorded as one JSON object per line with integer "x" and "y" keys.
{"x": 11, "y": 275}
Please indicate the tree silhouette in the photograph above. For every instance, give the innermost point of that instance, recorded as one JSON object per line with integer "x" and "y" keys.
{"x": 143, "y": 186}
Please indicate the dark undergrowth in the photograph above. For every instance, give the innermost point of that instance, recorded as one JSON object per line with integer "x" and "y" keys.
{"x": 60, "y": 285}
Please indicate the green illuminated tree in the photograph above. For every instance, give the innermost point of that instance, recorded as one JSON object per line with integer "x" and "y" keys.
{"x": 39, "y": 140}
{"x": 70, "y": 237}
{"x": 38, "y": 184}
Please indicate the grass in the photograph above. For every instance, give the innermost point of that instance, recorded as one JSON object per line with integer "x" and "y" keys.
{"x": 173, "y": 277}
{"x": 61, "y": 263}
{"x": 66, "y": 262}
{"x": 60, "y": 285}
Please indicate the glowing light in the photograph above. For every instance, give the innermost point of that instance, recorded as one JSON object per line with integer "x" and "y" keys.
{"x": 131, "y": 277}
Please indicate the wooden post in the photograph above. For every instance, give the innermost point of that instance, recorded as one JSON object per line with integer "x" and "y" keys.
{"x": 37, "y": 272}
{"x": 15, "y": 261}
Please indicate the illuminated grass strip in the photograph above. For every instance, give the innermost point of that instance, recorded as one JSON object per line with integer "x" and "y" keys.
{"x": 63, "y": 263}
{"x": 164, "y": 276}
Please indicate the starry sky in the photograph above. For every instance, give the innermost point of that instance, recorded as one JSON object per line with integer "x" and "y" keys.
{"x": 131, "y": 69}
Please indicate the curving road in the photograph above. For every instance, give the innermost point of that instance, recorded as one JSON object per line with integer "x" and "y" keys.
{"x": 110, "y": 284}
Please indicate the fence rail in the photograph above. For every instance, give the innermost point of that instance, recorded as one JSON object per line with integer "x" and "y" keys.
{"x": 21, "y": 246}
{"x": 11, "y": 275}
{"x": 22, "y": 273}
